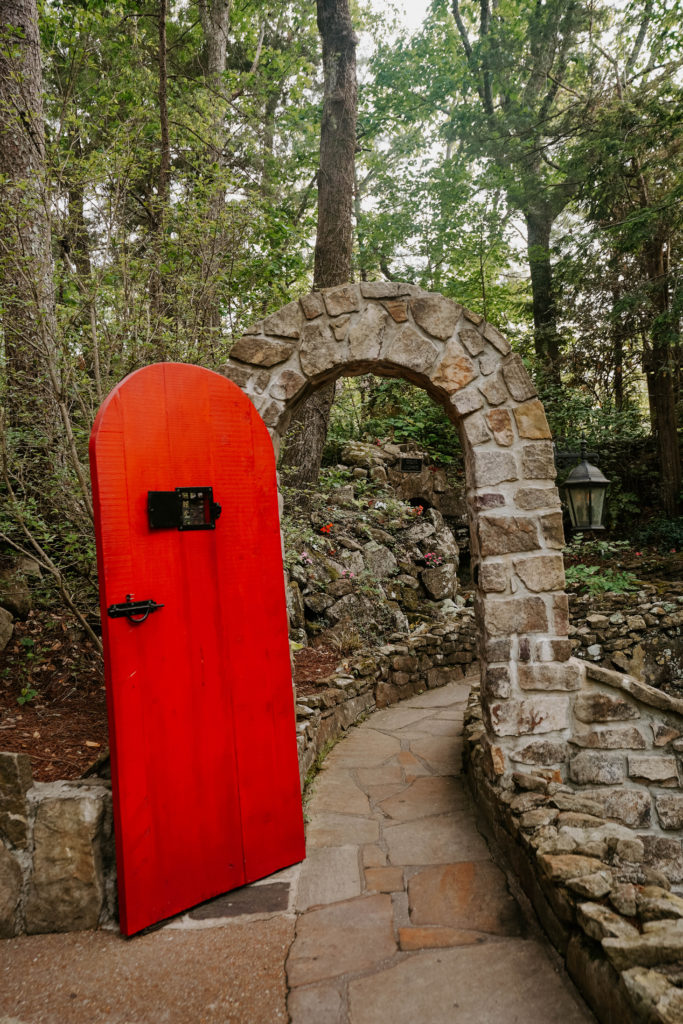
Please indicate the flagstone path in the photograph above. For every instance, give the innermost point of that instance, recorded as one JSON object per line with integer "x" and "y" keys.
{"x": 398, "y": 915}
{"x": 403, "y": 916}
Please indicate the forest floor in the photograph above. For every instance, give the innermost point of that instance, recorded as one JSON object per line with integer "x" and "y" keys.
{"x": 52, "y": 694}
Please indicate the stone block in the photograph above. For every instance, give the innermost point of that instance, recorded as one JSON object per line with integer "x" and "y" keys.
{"x": 409, "y": 349}
{"x": 494, "y": 391}
{"x": 531, "y": 421}
{"x": 600, "y": 922}
{"x": 486, "y": 501}
{"x": 553, "y": 649}
{"x": 663, "y": 734}
{"x": 10, "y": 892}
{"x": 561, "y": 867}
{"x": 664, "y": 856}
{"x": 467, "y": 401}
{"x": 367, "y": 334}
{"x": 589, "y": 768}
{"x": 270, "y": 412}
{"x": 654, "y": 768}
{"x": 553, "y": 530}
{"x": 312, "y": 305}
{"x": 498, "y": 340}
{"x": 286, "y": 385}
{"x": 518, "y": 381}
{"x": 541, "y": 573}
{"x": 538, "y": 461}
{"x": 521, "y": 718}
{"x": 560, "y": 614}
{"x": 16, "y": 779}
{"x": 475, "y": 429}
{"x": 669, "y": 807}
{"x": 541, "y": 752}
{"x": 501, "y": 426}
{"x": 456, "y": 370}
{"x": 500, "y": 535}
{"x": 629, "y": 806}
{"x": 340, "y": 327}
{"x": 397, "y": 310}
{"x": 492, "y": 468}
{"x": 440, "y": 582}
{"x": 489, "y": 363}
{"x": 436, "y": 314}
{"x": 286, "y": 323}
{"x": 496, "y": 684}
{"x": 493, "y": 576}
{"x": 260, "y": 351}
{"x": 472, "y": 340}
{"x": 319, "y": 350}
{"x": 515, "y": 615}
{"x": 341, "y": 299}
{"x": 382, "y": 289}
{"x": 66, "y": 888}
{"x": 550, "y": 676}
{"x": 605, "y": 738}
{"x": 497, "y": 650}
{"x": 537, "y": 497}
{"x": 601, "y": 707}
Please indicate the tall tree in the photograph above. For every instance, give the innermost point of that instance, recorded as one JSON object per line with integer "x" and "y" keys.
{"x": 334, "y": 238}
{"x": 633, "y": 198}
{"x": 524, "y": 97}
{"x": 26, "y": 282}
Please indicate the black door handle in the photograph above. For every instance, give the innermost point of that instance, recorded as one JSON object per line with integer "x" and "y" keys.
{"x": 135, "y": 611}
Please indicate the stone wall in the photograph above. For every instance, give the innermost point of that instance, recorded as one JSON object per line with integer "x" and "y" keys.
{"x": 639, "y": 633}
{"x": 596, "y": 840}
{"x": 57, "y": 867}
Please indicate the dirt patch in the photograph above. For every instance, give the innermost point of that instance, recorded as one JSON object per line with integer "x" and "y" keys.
{"x": 312, "y": 666}
{"x": 59, "y": 677}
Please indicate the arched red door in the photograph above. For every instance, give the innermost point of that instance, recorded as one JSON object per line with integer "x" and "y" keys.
{"x": 201, "y": 716}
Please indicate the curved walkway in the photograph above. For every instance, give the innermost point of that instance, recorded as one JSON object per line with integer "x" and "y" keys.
{"x": 404, "y": 916}
{"x": 398, "y": 915}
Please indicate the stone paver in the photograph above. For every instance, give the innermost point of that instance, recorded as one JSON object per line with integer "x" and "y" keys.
{"x": 328, "y": 875}
{"x": 509, "y": 983}
{"x": 465, "y": 895}
{"x": 346, "y": 937}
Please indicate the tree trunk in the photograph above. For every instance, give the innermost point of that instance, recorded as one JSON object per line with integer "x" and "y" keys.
{"x": 546, "y": 339}
{"x": 215, "y": 19}
{"x": 334, "y": 239}
{"x": 26, "y": 278}
{"x": 660, "y": 375}
{"x": 157, "y": 284}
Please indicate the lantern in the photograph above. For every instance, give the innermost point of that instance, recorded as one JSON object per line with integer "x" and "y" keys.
{"x": 585, "y": 487}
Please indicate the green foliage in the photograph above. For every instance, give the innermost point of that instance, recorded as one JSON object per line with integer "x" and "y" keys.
{"x": 596, "y": 579}
{"x": 661, "y": 533}
{"x": 369, "y": 407}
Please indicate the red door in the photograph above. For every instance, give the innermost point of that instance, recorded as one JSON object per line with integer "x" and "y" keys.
{"x": 205, "y": 776}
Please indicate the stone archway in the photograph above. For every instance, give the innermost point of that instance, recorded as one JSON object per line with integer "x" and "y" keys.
{"x": 467, "y": 366}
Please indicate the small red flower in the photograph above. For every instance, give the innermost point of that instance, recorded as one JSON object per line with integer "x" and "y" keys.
{"x": 327, "y": 528}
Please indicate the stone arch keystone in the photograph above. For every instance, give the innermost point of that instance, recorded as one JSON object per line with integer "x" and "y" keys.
{"x": 468, "y": 367}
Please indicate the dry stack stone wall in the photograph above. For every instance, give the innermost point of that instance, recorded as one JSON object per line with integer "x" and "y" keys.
{"x": 515, "y": 521}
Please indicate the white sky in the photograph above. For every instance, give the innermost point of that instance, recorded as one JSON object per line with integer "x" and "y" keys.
{"x": 411, "y": 12}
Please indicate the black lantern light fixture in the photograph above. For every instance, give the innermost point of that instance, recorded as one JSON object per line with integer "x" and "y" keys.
{"x": 585, "y": 487}
{"x": 585, "y": 490}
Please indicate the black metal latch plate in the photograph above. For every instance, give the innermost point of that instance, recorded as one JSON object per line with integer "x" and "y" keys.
{"x": 185, "y": 508}
{"x": 134, "y": 611}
